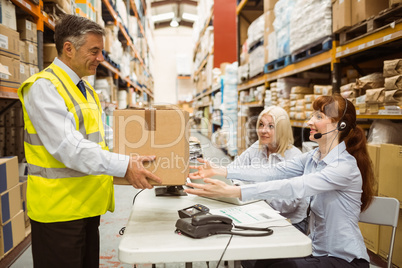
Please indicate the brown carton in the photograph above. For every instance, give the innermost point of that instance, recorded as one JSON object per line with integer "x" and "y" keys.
{"x": 13, "y": 67}
{"x": 27, "y": 30}
{"x": 49, "y": 52}
{"x": 30, "y": 53}
{"x": 10, "y": 203}
{"x": 9, "y": 42}
{"x": 341, "y": 15}
{"x": 12, "y": 233}
{"x": 161, "y": 132}
{"x": 364, "y": 9}
{"x": 390, "y": 170}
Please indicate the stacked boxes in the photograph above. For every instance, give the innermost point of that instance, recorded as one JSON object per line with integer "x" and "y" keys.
{"x": 28, "y": 48}
{"x": 9, "y": 57}
{"x": 12, "y": 227}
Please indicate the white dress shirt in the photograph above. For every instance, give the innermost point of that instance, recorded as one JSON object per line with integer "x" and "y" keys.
{"x": 293, "y": 209}
{"x": 56, "y": 128}
{"x": 335, "y": 185}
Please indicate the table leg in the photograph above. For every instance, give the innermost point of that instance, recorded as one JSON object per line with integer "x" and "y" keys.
{"x": 189, "y": 265}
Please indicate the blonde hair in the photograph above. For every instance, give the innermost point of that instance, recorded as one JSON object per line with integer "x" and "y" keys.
{"x": 283, "y": 129}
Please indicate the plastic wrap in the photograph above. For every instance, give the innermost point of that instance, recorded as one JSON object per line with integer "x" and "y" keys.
{"x": 385, "y": 131}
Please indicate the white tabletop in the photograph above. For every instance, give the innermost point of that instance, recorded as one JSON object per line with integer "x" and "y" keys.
{"x": 150, "y": 235}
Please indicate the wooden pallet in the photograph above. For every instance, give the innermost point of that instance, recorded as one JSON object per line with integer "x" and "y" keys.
{"x": 277, "y": 64}
{"x": 371, "y": 25}
{"x": 313, "y": 49}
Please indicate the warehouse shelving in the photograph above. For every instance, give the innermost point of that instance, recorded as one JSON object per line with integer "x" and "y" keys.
{"x": 43, "y": 20}
{"x": 127, "y": 37}
{"x": 222, "y": 17}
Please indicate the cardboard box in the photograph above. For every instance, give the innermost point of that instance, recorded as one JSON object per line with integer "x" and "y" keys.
{"x": 385, "y": 238}
{"x": 390, "y": 170}
{"x": 162, "y": 132}
{"x": 371, "y": 235}
{"x": 30, "y": 53}
{"x": 12, "y": 233}
{"x": 9, "y": 42}
{"x": 374, "y": 154}
{"x": 8, "y": 173}
{"x": 24, "y": 184}
{"x": 24, "y": 72}
{"x": 33, "y": 69}
{"x": 49, "y": 52}
{"x": 364, "y": 9}
{"x": 341, "y": 15}
{"x": 13, "y": 67}
{"x": 27, "y": 30}
{"x": 7, "y": 14}
{"x": 10, "y": 203}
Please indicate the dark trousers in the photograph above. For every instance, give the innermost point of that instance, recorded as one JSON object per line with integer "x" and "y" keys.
{"x": 66, "y": 244}
{"x": 307, "y": 262}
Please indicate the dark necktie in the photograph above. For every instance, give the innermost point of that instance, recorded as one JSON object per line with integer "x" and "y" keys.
{"x": 81, "y": 86}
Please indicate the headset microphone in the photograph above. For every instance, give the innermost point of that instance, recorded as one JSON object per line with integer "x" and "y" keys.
{"x": 319, "y": 135}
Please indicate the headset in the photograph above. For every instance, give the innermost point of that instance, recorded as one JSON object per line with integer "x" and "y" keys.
{"x": 341, "y": 124}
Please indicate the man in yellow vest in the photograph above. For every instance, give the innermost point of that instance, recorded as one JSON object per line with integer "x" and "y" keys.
{"x": 70, "y": 168}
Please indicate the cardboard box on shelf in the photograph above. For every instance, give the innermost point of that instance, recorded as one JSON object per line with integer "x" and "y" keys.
{"x": 10, "y": 203}
{"x": 24, "y": 72}
{"x": 7, "y": 14}
{"x": 27, "y": 30}
{"x": 162, "y": 132}
{"x": 390, "y": 170}
{"x": 13, "y": 67}
{"x": 8, "y": 173}
{"x": 364, "y": 9}
{"x": 12, "y": 233}
{"x": 30, "y": 53}
{"x": 341, "y": 15}
{"x": 9, "y": 42}
{"x": 49, "y": 52}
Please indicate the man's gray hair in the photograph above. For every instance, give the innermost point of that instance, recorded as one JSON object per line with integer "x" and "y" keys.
{"x": 74, "y": 29}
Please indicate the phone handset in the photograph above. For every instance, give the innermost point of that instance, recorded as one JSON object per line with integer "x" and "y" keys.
{"x": 210, "y": 219}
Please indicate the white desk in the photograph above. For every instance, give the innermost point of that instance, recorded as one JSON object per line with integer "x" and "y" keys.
{"x": 150, "y": 235}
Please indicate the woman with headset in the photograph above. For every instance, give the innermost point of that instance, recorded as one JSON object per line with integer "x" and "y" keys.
{"x": 337, "y": 176}
{"x": 274, "y": 145}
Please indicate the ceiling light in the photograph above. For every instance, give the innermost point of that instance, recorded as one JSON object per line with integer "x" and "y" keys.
{"x": 163, "y": 16}
{"x": 189, "y": 16}
{"x": 174, "y": 23}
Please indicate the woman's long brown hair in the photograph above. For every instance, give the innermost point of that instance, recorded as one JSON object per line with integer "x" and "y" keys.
{"x": 354, "y": 137}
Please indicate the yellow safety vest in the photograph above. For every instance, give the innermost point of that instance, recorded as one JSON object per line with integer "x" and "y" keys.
{"x": 56, "y": 193}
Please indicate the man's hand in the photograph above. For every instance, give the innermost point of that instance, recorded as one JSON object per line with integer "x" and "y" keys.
{"x": 137, "y": 175}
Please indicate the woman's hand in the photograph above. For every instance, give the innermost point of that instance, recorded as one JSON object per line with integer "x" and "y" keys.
{"x": 207, "y": 170}
{"x": 214, "y": 188}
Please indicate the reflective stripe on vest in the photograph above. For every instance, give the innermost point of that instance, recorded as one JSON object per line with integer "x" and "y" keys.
{"x": 54, "y": 173}
{"x": 78, "y": 111}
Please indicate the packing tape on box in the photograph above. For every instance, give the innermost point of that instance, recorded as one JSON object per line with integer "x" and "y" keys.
{"x": 150, "y": 119}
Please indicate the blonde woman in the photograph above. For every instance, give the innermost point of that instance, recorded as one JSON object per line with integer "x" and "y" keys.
{"x": 274, "y": 145}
